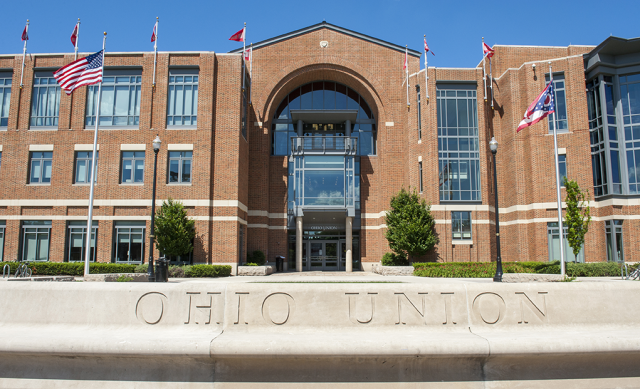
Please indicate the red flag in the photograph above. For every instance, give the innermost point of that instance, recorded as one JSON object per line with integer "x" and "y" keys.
{"x": 406, "y": 59}
{"x": 248, "y": 53}
{"x": 74, "y": 36}
{"x": 488, "y": 51}
{"x": 426, "y": 48}
{"x": 153, "y": 33}
{"x": 238, "y": 36}
{"x": 25, "y": 36}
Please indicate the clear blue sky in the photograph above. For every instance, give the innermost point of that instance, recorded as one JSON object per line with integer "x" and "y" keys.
{"x": 453, "y": 28}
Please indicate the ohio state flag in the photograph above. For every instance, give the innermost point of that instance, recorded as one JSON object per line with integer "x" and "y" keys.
{"x": 238, "y": 36}
{"x": 488, "y": 51}
{"x": 248, "y": 53}
{"x": 153, "y": 33}
{"x": 406, "y": 61}
{"x": 74, "y": 36}
{"x": 25, "y": 36}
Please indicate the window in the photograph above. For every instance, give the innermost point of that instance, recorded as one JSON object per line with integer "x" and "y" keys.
{"x": 45, "y": 101}
{"x": 35, "y": 240}
{"x": 40, "y": 167}
{"x": 5, "y": 97}
{"x": 132, "y": 167}
{"x": 630, "y": 96}
{"x": 562, "y": 167}
{"x": 324, "y": 95}
{"x": 78, "y": 239}
{"x": 83, "y": 167}
{"x": 129, "y": 241}
{"x": 553, "y": 238}
{"x": 559, "y": 118}
{"x": 180, "y": 167}
{"x": 120, "y": 104}
{"x": 3, "y": 226}
{"x": 420, "y": 173}
{"x": 182, "y": 108}
{"x": 419, "y": 113}
{"x": 458, "y": 157}
{"x": 613, "y": 231}
{"x": 461, "y": 225}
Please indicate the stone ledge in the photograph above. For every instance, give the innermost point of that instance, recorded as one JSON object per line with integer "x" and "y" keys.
{"x": 255, "y": 270}
{"x": 527, "y": 277}
{"x": 113, "y": 277}
{"x": 393, "y": 270}
{"x": 45, "y": 279}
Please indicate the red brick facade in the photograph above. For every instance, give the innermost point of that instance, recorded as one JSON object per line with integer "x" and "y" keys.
{"x": 237, "y": 183}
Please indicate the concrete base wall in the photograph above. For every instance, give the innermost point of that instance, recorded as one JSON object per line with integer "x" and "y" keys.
{"x": 246, "y": 335}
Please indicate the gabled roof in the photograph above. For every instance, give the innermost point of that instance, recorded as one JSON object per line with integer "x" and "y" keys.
{"x": 333, "y": 27}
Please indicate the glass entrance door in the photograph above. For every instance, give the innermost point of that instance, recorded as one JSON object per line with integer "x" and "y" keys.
{"x": 324, "y": 256}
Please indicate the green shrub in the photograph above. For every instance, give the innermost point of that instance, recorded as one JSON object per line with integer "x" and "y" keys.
{"x": 258, "y": 258}
{"x": 144, "y": 268}
{"x": 124, "y": 278}
{"x": 393, "y": 259}
{"x": 176, "y": 271}
{"x": 207, "y": 271}
{"x": 71, "y": 268}
{"x": 251, "y": 264}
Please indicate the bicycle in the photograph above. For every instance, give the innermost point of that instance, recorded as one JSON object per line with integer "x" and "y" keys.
{"x": 23, "y": 271}
{"x": 634, "y": 275}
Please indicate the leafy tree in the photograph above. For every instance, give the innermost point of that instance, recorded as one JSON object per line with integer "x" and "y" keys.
{"x": 173, "y": 229}
{"x": 410, "y": 225}
{"x": 577, "y": 216}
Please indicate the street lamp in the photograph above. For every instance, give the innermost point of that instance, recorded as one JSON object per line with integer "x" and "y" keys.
{"x": 156, "y": 147}
{"x": 493, "y": 145}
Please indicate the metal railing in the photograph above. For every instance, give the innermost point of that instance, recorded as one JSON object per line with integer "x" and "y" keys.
{"x": 323, "y": 145}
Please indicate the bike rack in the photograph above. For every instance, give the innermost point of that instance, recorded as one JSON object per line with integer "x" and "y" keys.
{"x": 624, "y": 268}
{"x": 6, "y": 271}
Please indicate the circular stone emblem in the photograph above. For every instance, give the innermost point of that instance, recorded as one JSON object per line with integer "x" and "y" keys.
{"x": 324, "y": 44}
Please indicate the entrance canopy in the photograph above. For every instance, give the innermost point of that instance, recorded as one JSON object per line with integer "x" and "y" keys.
{"x": 324, "y": 116}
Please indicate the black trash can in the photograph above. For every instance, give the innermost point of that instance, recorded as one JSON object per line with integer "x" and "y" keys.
{"x": 162, "y": 269}
{"x": 279, "y": 262}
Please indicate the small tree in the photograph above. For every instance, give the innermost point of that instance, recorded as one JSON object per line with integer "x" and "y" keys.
{"x": 578, "y": 215}
{"x": 410, "y": 225}
{"x": 173, "y": 229}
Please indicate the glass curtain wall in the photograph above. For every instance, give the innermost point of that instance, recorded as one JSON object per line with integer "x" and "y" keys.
{"x": 323, "y": 95}
{"x": 630, "y": 99}
{"x": 459, "y": 156}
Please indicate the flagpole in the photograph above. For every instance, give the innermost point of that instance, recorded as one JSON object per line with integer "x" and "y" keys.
{"x": 87, "y": 254}
{"x": 559, "y": 199}
{"x": 155, "y": 54}
{"x": 491, "y": 81}
{"x": 426, "y": 70}
{"x": 250, "y": 72}
{"x": 484, "y": 71}
{"x": 244, "y": 48}
{"x": 406, "y": 59}
{"x": 24, "y": 54}
{"x": 77, "y": 37}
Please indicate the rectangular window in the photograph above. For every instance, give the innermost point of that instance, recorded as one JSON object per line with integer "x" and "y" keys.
{"x": 36, "y": 235}
{"x": 461, "y": 225}
{"x": 553, "y": 241}
{"x": 40, "y": 167}
{"x": 129, "y": 242}
{"x": 180, "y": 167}
{"x": 120, "y": 103}
{"x": 559, "y": 118}
{"x": 45, "y": 101}
{"x": 132, "y": 171}
{"x": 458, "y": 151}
{"x": 82, "y": 172}
{"x": 77, "y": 241}
{"x": 419, "y": 113}
{"x": 182, "y": 107}
{"x": 630, "y": 96}
{"x": 562, "y": 167}
{"x": 597, "y": 137}
{"x": 420, "y": 173}
{"x": 3, "y": 225}
{"x": 615, "y": 248}
{"x": 5, "y": 97}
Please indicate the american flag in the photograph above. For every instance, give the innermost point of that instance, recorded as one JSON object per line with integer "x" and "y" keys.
{"x": 539, "y": 109}
{"x": 85, "y": 71}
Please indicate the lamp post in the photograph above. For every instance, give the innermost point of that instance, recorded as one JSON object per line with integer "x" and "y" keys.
{"x": 156, "y": 147}
{"x": 493, "y": 145}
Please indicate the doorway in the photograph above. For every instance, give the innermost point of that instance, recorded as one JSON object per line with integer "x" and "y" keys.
{"x": 323, "y": 256}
